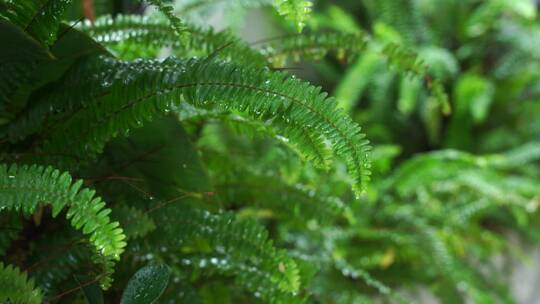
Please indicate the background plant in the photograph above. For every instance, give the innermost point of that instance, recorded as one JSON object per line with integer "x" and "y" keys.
{"x": 152, "y": 148}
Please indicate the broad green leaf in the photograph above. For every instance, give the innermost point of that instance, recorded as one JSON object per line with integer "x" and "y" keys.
{"x": 146, "y": 285}
{"x": 17, "y": 62}
{"x": 163, "y": 155}
{"x": 71, "y": 46}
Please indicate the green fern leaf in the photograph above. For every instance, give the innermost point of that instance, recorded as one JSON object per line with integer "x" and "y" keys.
{"x": 16, "y": 288}
{"x": 137, "y": 91}
{"x": 407, "y": 61}
{"x": 404, "y": 17}
{"x": 258, "y": 265}
{"x": 65, "y": 263}
{"x": 315, "y": 46}
{"x": 131, "y": 37}
{"x": 175, "y": 22}
{"x": 296, "y": 11}
{"x": 136, "y": 223}
{"x": 245, "y": 275}
{"x": 25, "y": 188}
{"x": 270, "y": 193}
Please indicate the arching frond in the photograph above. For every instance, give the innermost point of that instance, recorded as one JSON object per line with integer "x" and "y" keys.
{"x": 131, "y": 36}
{"x": 133, "y": 93}
{"x": 25, "y": 188}
{"x": 244, "y": 246}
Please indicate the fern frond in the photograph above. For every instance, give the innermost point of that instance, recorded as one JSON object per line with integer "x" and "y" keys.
{"x": 403, "y": 16}
{"x": 251, "y": 278}
{"x": 296, "y": 11}
{"x": 70, "y": 254}
{"x": 517, "y": 157}
{"x": 244, "y": 244}
{"x": 426, "y": 168}
{"x": 135, "y": 223}
{"x": 299, "y": 135}
{"x": 272, "y": 194}
{"x": 314, "y": 46}
{"x": 175, "y": 22}
{"x": 24, "y": 188}
{"x": 106, "y": 266}
{"x": 476, "y": 180}
{"x": 451, "y": 267}
{"x": 301, "y": 139}
{"x": 410, "y": 63}
{"x": 137, "y": 91}
{"x": 405, "y": 59}
{"x": 39, "y": 18}
{"x": 131, "y": 36}
{"x": 358, "y": 273}
{"x": 16, "y": 288}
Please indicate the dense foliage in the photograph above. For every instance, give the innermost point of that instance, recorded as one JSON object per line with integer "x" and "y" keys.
{"x": 148, "y": 157}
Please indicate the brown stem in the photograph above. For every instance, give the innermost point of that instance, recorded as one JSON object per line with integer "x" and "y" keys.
{"x": 88, "y": 10}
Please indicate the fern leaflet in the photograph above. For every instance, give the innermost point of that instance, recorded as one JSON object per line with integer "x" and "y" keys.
{"x": 16, "y": 288}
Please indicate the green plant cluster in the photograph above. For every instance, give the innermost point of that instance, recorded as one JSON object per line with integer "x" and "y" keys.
{"x": 151, "y": 159}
